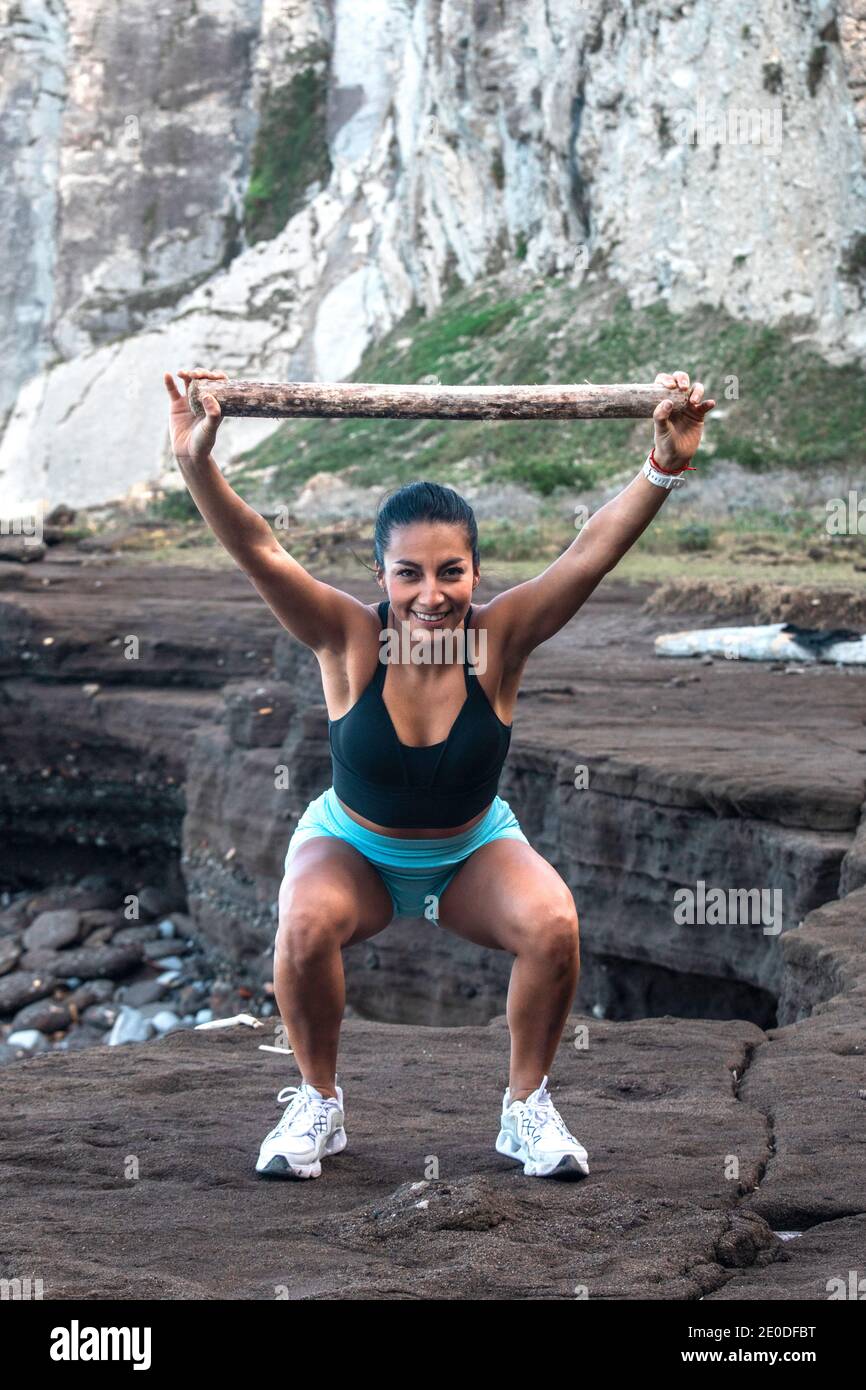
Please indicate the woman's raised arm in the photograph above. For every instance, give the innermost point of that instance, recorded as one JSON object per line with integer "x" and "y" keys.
{"x": 317, "y": 614}
{"x": 529, "y": 613}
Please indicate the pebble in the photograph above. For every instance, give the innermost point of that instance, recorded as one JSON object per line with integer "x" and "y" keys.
{"x": 166, "y": 1021}
{"x": 22, "y": 986}
{"x": 29, "y": 1038}
{"x": 92, "y": 992}
{"x": 44, "y": 1015}
{"x": 76, "y": 944}
{"x": 110, "y": 961}
{"x": 129, "y": 1026}
{"x": 100, "y": 919}
{"x": 80, "y": 1038}
{"x": 44, "y": 961}
{"x": 154, "y": 950}
{"x": 52, "y": 930}
{"x": 101, "y": 1016}
{"x": 135, "y": 933}
{"x": 142, "y": 992}
{"x": 189, "y": 997}
{"x": 10, "y": 954}
{"x": 100, "y": 936}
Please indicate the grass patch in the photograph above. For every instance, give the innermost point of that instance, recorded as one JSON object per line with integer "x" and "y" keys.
{"x": 176, "y": 505}
{"x": 290, "y": 150}
{"x": 778, "y": 403}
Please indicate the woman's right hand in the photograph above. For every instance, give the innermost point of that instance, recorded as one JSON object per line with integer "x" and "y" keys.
{"x": 192, "y": 436}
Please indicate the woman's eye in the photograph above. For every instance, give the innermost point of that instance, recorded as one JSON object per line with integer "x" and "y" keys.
{"x": 410, "y": 574}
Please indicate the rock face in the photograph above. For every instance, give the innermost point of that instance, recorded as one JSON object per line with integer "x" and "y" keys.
{"x": 104, "y": 680}
{"x": 433, "y": 142}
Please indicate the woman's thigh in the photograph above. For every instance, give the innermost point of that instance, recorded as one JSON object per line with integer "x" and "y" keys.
{"x": 330, "y": 882}
{"x": 506, "y": 895}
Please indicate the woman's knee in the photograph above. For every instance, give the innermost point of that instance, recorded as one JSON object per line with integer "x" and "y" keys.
{"x": 554, "y": 933}
{"x": 313, "y": 916}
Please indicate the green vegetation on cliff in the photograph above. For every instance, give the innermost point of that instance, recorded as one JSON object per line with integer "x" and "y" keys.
{"x": 779, "y": 403}
{"x": 290, "y": 150}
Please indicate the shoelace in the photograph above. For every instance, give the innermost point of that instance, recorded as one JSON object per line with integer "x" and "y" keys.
{"x": 301, "y": 1100}
{"x": 539, "y": 1113}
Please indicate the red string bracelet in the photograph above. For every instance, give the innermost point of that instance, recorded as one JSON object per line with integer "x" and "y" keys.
{"x": 671, "y": 472}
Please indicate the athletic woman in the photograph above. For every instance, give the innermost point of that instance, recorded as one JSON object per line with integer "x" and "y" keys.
{"x": 412, "y": 824}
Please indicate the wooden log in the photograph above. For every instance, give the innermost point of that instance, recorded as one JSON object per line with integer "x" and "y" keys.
{"x": 633, "y": 401}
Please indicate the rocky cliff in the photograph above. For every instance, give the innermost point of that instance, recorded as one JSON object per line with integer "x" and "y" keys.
{"x": 269, "y": 185}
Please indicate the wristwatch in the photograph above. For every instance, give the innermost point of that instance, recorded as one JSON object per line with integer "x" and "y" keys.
{"x": 665, "y": 480}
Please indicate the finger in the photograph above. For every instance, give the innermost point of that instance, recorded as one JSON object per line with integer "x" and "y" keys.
{"x": 212, "y": 406}
{"x": 707, "y": 405}
{"x": 681, "y": 379}
{"x": 665, "y": 379}
{"x": 170, "y": 386}
{"x": 697, "y": 393}
{"x": 663, "y": 411}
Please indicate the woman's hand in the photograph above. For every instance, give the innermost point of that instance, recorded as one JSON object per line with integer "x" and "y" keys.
{"x": 192, "y": 437}
{"x": 678, "y": 429}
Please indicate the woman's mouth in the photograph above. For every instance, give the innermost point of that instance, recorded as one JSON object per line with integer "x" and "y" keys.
{"x": 428, "y": 619}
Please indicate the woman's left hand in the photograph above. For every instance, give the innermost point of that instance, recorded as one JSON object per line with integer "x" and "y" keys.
{"x": 678, "y": 429}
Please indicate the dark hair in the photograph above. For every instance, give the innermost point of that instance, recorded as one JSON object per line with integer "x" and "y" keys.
{"x": 423, "y": 502}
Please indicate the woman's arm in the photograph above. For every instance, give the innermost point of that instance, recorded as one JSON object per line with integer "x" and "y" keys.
{"x": 316, "y": 613}
{"x": 528, "y": 614}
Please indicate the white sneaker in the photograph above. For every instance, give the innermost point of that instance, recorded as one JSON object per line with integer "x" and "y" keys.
{"x": 534, "y": 1133}
{"x": 311, "y": 1126}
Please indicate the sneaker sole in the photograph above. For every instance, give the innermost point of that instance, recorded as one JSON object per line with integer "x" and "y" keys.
{"x": 568, "y": 1167}
{"x": 282, "y": 1167}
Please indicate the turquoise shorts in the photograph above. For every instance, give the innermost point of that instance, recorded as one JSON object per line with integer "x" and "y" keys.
{"x": 415, "y": 872}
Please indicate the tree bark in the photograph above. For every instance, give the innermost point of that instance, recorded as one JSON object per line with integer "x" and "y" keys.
{"x": 632, "y": 401}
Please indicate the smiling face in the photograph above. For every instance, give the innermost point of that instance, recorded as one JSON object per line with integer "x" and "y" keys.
{"x": 429, "y": 575}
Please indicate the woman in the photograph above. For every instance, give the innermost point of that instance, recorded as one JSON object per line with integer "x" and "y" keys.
{"x": 413, "y": 824}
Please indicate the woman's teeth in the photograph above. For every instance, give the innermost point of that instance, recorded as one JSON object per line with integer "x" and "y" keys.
{"x": 428, "y": 617}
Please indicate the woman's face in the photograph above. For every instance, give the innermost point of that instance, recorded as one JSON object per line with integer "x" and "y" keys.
{"x": 428, "y": 575}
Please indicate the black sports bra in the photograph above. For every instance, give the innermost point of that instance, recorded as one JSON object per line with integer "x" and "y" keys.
{"x": 406, "y": 787}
